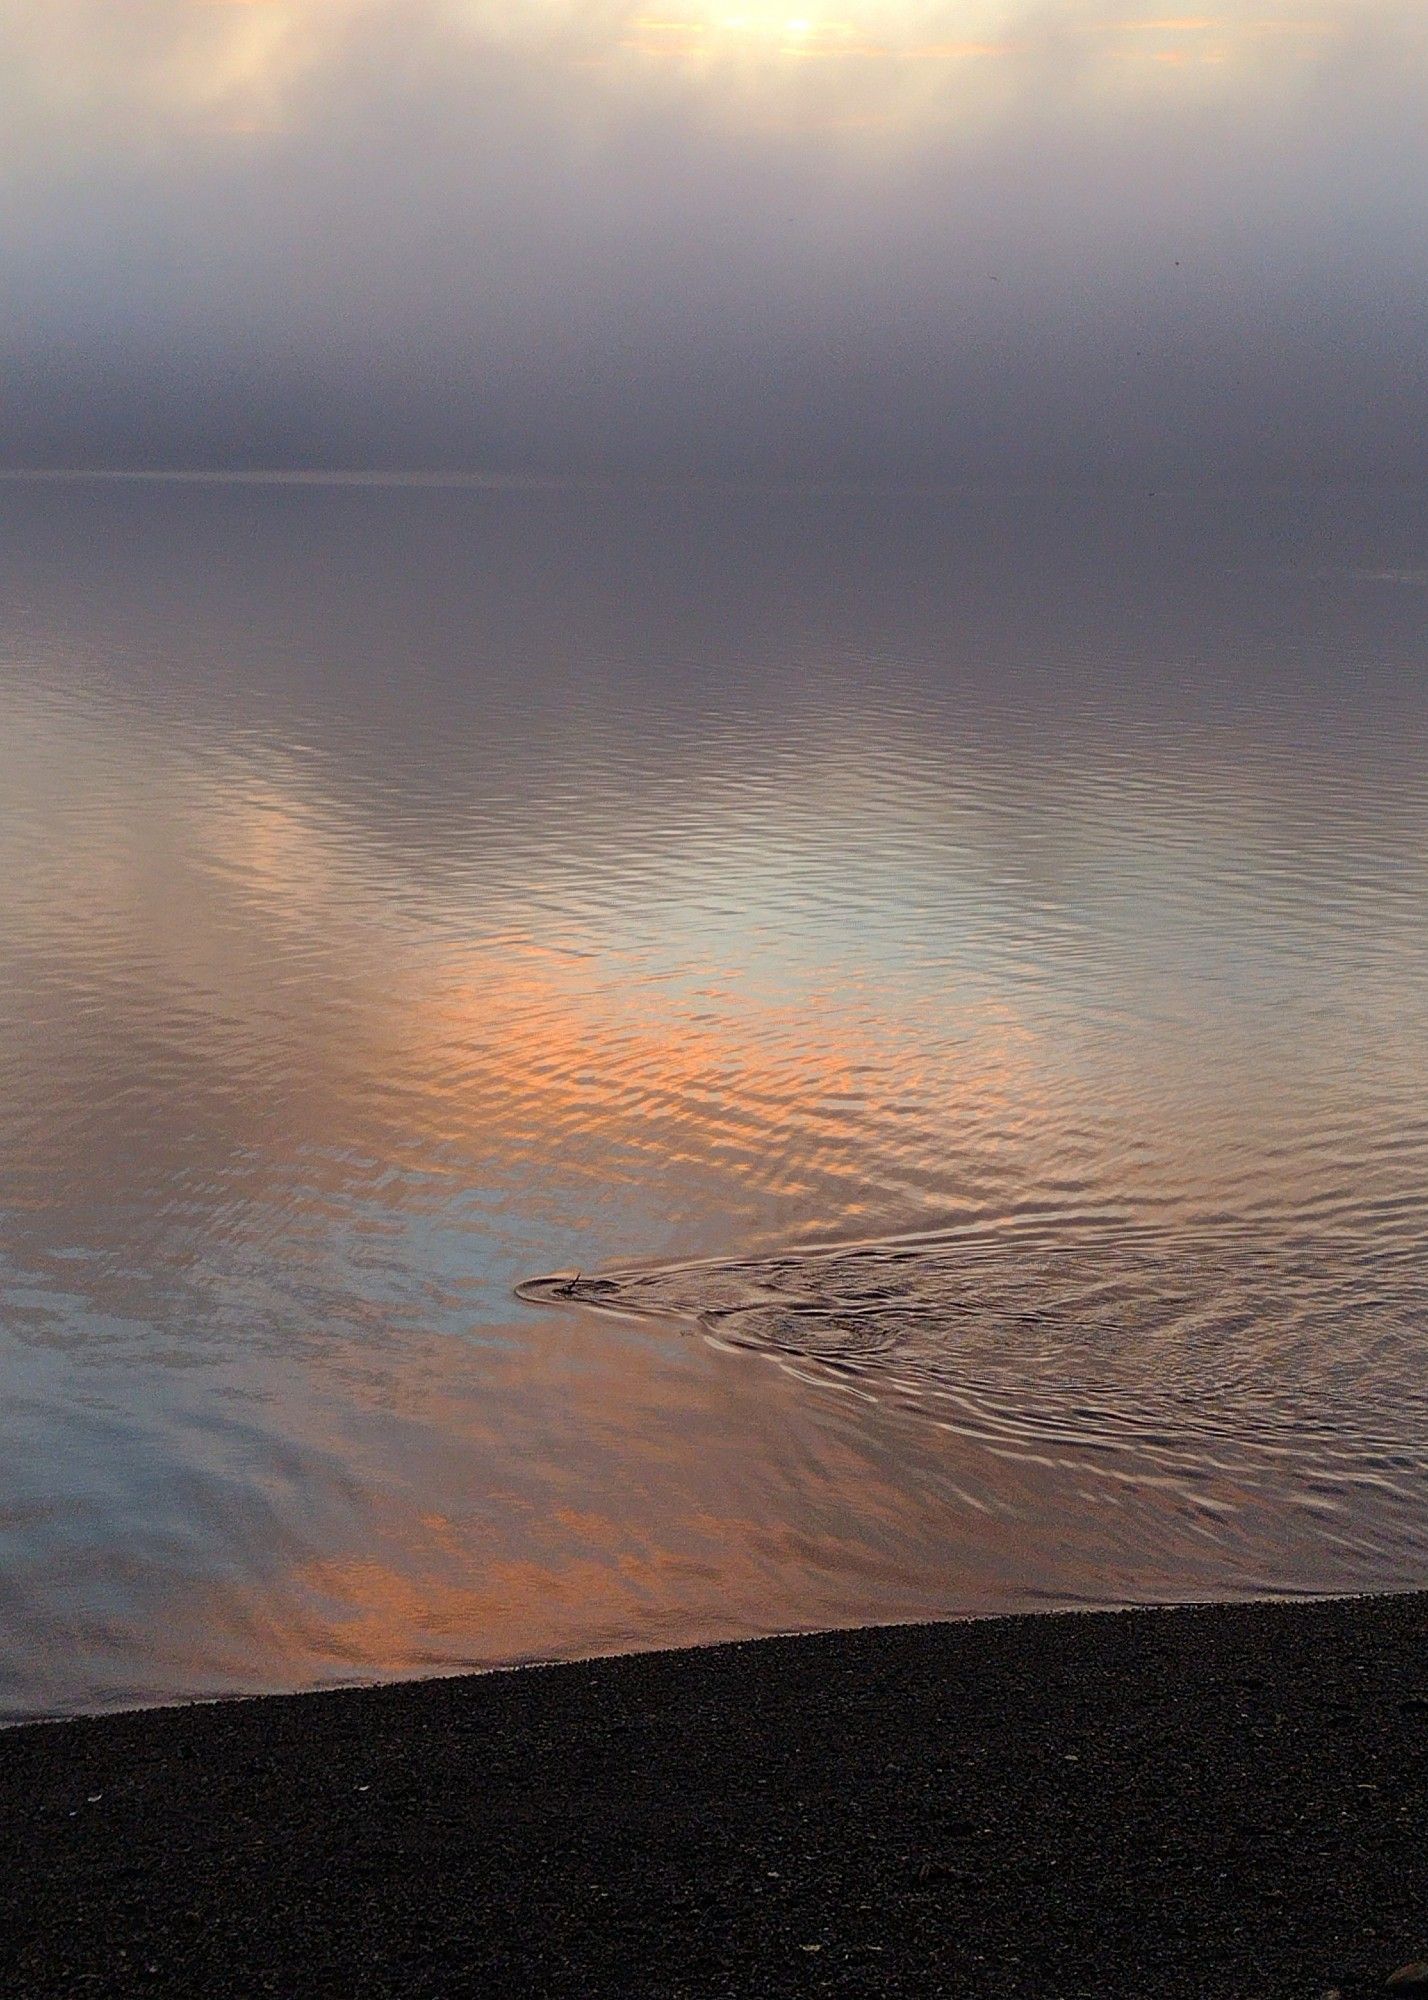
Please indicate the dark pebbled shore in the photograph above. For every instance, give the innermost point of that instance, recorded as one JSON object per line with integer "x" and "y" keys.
{"x": 1217, "y": 1801}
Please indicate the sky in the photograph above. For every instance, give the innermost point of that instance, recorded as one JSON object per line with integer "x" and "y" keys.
{"x": 904, "y": 240}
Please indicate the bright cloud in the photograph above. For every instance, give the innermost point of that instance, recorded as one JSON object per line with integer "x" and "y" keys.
{"x": 723, "y": 233}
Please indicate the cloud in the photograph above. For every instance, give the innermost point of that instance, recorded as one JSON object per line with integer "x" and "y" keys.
{"x": 920, "y": 240}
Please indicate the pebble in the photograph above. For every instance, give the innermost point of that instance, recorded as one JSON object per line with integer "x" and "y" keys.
{"x": 1412, "y": 1977}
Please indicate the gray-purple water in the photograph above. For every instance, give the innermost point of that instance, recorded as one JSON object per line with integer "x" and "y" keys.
{"x": 950, "y": 973}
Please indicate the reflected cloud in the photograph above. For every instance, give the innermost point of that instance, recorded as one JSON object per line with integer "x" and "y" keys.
{"x": 410, "y": 891}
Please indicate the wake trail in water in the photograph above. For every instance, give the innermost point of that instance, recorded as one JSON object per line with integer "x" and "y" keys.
{"x": 1187, "y": 1348}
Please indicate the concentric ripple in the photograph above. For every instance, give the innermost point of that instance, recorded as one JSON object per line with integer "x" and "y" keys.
{"x": 1171, "y": 1343}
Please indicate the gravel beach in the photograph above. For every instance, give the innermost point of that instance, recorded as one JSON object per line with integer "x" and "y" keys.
{"x": 1212, "y": 1801}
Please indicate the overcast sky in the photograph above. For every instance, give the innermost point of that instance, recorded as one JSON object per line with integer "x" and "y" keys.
{"x": 906, "y": 239}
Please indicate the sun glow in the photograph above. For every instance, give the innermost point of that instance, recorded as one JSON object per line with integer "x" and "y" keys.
{"x": 252, "y": 69}
{"x": 758, "y": 32}
{"x": 849, "y": 40}
{"x": 858, "y": 34}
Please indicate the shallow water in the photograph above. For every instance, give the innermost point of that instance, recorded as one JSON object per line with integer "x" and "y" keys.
{"x": 955, "y": 970}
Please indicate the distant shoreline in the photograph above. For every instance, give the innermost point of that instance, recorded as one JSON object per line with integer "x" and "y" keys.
{"x": 1216, "y": 1800}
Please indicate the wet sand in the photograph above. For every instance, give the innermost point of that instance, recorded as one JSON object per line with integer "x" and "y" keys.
{"x": 1227, "y": 1801}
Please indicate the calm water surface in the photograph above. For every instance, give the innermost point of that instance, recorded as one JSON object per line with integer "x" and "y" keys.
{"x": 951, "y": 975}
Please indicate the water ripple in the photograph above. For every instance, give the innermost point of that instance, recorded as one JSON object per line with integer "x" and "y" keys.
{"x": 404, "y": 891}
{"x": 1166, "y": 1342}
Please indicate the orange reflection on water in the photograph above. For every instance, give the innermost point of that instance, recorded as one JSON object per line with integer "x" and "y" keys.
{"x": 600, "y": 1489}
{"x": 323, "y": 1024}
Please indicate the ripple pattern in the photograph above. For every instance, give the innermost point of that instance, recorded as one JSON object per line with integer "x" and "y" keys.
{"x": 405, "y": 891}
{"x": 1082, "y": 1338}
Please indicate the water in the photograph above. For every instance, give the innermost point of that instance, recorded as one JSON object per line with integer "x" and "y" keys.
{"x": 951, "y": 974}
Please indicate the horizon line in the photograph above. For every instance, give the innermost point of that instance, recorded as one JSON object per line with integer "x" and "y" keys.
{"x": 1147, "y": 482}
